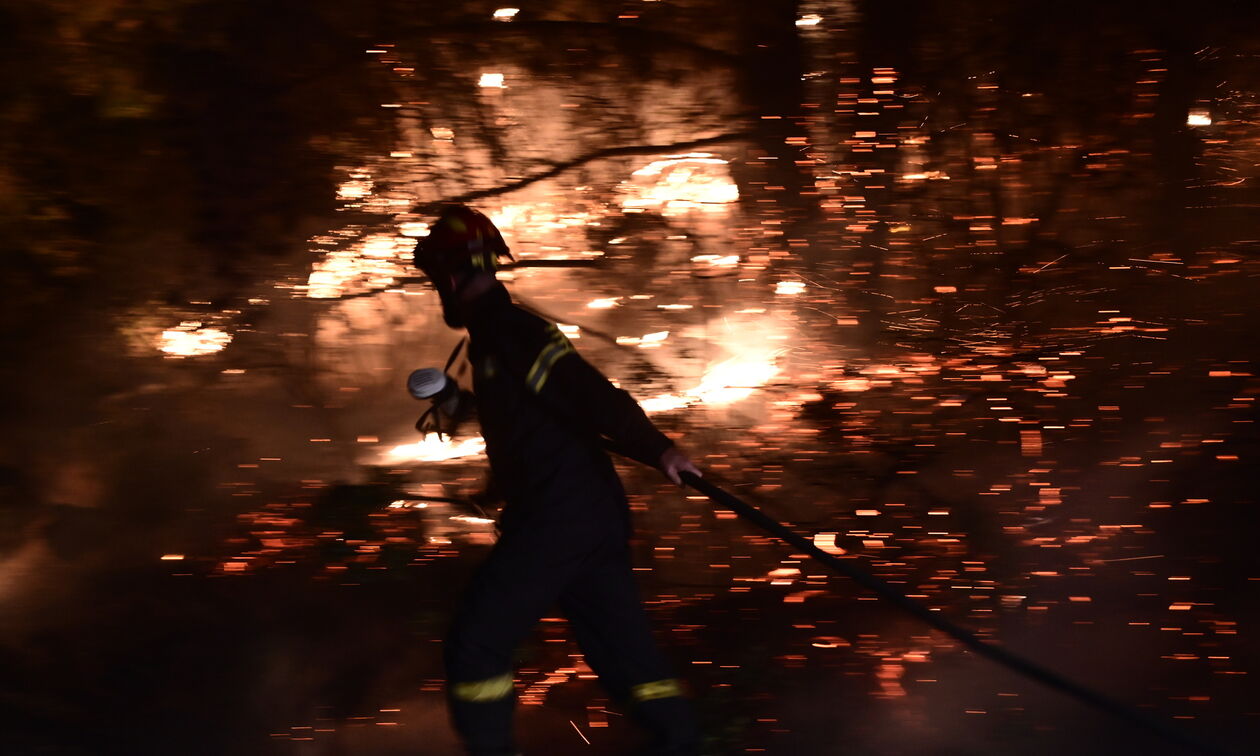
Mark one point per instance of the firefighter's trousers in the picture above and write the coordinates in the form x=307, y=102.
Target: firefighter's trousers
x=585, y=571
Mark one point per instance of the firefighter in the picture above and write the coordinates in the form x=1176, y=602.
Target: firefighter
x=546, y=415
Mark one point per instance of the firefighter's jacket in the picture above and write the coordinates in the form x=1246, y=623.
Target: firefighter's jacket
x=543, y=411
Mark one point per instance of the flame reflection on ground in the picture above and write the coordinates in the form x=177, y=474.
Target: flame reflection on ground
x=434, y=449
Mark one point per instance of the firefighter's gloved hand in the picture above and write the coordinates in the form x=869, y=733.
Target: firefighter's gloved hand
x=673, y=463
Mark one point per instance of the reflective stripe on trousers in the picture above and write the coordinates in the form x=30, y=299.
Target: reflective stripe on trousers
x=481, y=691
x=649, y=691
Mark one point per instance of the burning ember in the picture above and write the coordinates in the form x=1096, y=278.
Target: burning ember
x=190, y=339
x=491, y=81
x=357, y=187
x=789, y=288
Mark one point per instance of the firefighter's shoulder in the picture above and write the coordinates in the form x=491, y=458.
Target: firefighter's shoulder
x=525, y=327
x=539, y=342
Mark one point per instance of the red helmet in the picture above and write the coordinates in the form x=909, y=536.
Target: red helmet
x=461, y=240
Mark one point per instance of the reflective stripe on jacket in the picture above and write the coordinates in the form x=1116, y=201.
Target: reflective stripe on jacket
x=543, y=409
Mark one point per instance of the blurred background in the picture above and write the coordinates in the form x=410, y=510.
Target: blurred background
x=964, y=290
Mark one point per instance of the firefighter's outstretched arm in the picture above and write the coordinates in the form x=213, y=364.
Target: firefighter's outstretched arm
x=562, y=378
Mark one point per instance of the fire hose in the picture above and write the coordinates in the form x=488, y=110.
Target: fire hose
x=967, y=638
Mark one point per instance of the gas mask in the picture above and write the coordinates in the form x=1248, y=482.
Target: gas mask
x=450, y=406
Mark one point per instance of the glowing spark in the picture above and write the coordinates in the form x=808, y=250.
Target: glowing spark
x=892, y=371
x=506, y=14
x=809, y=19
x=800, y=596
x=491, y=81
x=711, y=265
x=717, y=260
x=603, y=304
x=413, y=229
x=471, y=519
x=782, y=572
x=435, y=449
x=829, y=641
x=1199, y=117
x=190, y=339
x=172, y=557
x=571, y=331
x=442, y=133
x=827, y=542
x=404, y=504
x=853, y=384
x=357, y=186
x=648, y=340
x=789, y=287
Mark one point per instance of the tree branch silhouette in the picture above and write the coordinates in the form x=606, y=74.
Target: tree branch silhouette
x=559, y=168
